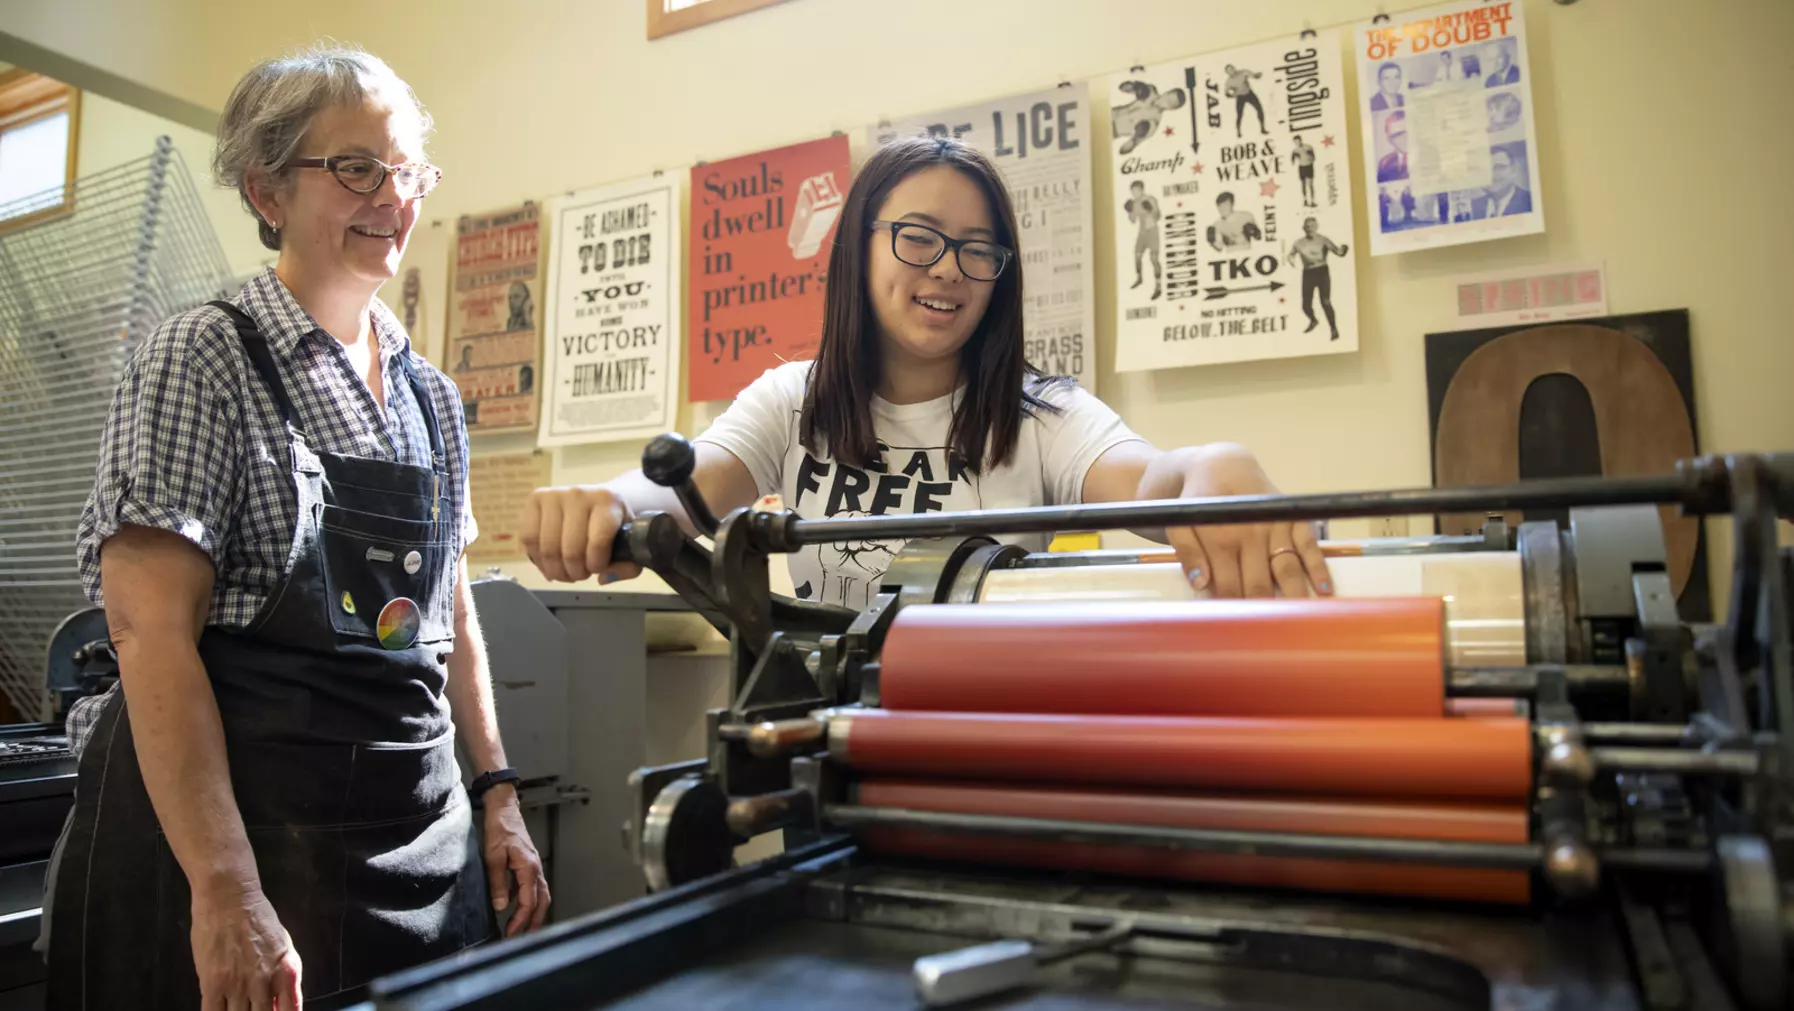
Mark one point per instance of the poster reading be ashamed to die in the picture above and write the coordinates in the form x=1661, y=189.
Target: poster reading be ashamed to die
x=1449, y=148
x=1232, y=207
x=1041, y=144
x=762, y=227
x=612, y=345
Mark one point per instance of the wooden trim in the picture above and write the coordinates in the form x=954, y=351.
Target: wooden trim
x=73, y=172
x=22, y=89
x=25, y=98
x=661, y=23
x=40, y=216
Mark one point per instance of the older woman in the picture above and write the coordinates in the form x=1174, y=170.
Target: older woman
x=277, y=525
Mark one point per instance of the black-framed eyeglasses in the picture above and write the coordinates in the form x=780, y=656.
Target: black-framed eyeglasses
x=364, y=174
x=921, y=246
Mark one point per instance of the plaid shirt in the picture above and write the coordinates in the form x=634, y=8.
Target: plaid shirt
x=195, y=445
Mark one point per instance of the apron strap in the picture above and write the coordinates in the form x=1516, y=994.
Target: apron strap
x=257, y=347
x=428, y=407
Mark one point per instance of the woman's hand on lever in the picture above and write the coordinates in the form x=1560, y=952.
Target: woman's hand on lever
x=1248, y=559
x=244, y=957
x=567, y=532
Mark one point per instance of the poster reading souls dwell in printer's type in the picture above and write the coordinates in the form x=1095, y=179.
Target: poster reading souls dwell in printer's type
x=1233, y=207
x=1040, y=142
x=1449, y=148
x=611, y=360
x=761, y=232
x=493, y=336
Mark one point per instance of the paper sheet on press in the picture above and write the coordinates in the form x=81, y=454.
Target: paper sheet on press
x=1448, y=139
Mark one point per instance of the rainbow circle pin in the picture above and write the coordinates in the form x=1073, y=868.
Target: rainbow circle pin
x=398, y=624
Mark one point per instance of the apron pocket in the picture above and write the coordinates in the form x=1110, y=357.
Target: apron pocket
x=302, y=876
x=372, y=565
x=416, y=892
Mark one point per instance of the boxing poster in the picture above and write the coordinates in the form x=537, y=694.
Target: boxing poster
x=418, y=294
x=1232, y=207
x=494, y=319
x=762, y=226
x=1040, y=143
x=611, y=348
x=1450, y=155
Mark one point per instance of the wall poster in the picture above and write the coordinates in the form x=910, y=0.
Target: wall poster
x=1232, y=207
x=494, y=322
x=1450, y=155
x=1040, y=142
x=611, y=367
x=761, y=231
x=418, y=294
x=499, y=487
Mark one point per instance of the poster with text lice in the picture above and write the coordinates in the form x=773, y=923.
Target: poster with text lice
x=762, y=227
x=1040, y=142
x=1450, y=155
x=1232, y=207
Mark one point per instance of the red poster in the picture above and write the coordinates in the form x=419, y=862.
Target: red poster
x=761, y=229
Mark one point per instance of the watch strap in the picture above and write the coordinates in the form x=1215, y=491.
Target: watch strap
x=487, y=780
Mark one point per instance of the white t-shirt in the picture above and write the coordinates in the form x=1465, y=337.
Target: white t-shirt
x=1052, y=455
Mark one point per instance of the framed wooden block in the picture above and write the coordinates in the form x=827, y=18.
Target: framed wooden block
x=668, y=16
x=1608, y=396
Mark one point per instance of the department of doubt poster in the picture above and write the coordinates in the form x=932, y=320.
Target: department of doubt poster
x=1232, y=207
x=1449, y=148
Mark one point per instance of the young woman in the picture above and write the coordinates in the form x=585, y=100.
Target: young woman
x=272, y=805
x=920, y=400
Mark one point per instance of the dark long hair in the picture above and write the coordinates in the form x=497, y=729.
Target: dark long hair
x=1000, y=386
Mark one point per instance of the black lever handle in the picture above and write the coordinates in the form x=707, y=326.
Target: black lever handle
x=668, y=461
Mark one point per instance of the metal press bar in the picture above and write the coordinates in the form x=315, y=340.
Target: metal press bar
x=1497, y=856
x=1692, y=488
x=1641, y=733
x=1701, y=763
x=1502, y=682
x=1349, y=548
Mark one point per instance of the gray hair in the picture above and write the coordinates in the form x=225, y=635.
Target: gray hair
x=273, y=105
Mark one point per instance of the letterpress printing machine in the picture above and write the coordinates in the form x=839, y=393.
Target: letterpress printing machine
x=1495, y=772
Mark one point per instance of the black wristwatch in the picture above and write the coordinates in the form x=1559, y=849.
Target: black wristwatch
x=487, y=780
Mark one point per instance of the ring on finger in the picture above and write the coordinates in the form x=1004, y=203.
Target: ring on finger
x=1282, y=551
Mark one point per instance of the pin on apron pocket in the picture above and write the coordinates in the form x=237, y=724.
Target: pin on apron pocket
x=392, y=569
x=399, y=622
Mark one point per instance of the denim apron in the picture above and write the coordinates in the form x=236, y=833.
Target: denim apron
x=341, y=751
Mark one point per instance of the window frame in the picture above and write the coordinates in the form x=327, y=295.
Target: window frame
x=25, y=98
x=662, y=23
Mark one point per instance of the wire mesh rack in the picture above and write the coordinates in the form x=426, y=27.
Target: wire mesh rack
x=78, y=293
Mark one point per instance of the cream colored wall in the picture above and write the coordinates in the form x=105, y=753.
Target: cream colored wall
x=113, y=134
x=1675, y=180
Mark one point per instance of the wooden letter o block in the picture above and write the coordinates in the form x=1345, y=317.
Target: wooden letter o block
x=1641, y=423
